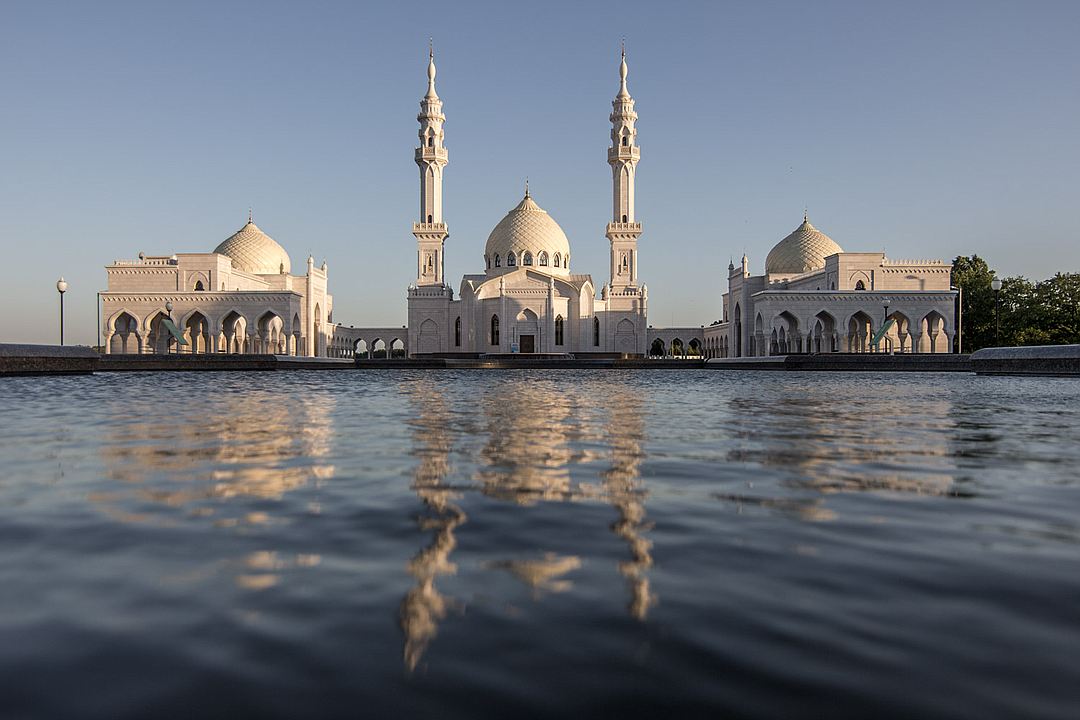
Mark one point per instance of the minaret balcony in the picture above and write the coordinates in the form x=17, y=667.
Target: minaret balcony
x=431, y=154
x=623, y=152
x=429, y=228
x=632, y=229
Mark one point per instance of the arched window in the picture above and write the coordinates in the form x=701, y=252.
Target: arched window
x=429, y=219
x=511, y=259
x=596, y=332
x=487, y=260
x=457, y=332
x=860, y=285
x=566, y=263
x=557, y=259
x=526, y=259
x=542, y=259
x=624, y=218
x=431, y=141
x=494, y=329
x=559, y=330
x=625, y=141
x=199, y=286
x=498, y=260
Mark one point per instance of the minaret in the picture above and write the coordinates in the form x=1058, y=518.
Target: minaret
x=623, y=155
x=431, y=157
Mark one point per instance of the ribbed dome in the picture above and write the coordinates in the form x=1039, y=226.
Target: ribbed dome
x=801, y=251
x=254, y=251
x=528, y=228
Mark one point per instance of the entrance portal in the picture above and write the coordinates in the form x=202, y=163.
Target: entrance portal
x=528, y=343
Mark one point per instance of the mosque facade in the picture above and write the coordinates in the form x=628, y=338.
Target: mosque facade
x=240, y=298
x=527, y=299
x=816, y=298
x=813, y=297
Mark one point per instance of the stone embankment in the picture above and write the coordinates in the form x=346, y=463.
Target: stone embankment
x=857, y=362
x=1060, y=360
x=47, y=360
x=218, y=361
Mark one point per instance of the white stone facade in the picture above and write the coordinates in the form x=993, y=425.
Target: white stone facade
x=812, y=302
x=527, y=300
x=241, y=298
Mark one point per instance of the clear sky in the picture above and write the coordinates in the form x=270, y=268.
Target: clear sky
x=928, y=129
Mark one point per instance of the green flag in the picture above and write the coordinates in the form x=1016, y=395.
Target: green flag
x=881, y=333
x=174, y=331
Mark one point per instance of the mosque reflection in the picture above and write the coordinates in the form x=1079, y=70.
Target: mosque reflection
x=819, y=447
x=532, y=437
x=237, y=446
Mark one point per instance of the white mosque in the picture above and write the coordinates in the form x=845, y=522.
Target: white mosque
x=527, y=299
x=812, y=298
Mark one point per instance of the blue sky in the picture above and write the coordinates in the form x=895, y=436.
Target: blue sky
x=929, y=129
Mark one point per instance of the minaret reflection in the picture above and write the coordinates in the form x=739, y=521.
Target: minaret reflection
x=624, y=490
x=424, y=606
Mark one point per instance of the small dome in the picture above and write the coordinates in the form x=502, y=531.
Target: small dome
x=528, y=228
x=254, y=251
x=801, y=251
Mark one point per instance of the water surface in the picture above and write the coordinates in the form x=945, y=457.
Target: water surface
x=544, y=543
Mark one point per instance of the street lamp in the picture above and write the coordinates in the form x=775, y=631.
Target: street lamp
x=61, y=287
x=959, y=314
x=884, y=321
x=995, y=285
x=168, y=309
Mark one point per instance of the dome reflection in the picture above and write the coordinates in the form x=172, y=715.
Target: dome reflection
x=532, y=437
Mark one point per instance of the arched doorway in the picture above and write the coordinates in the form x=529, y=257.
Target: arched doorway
x=197, y=333
x=527, y=331
x=125, y=337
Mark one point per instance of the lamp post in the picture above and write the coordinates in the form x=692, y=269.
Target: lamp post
x=995, y=284
x=61, y=287
x=168, y=310
x=884, y=321
x=959, y=319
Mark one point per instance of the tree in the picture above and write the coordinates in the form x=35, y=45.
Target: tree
x=1043, y=313
x=973, y=276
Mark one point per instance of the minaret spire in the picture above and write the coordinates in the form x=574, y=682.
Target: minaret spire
x=431, y=157
x=431, y=94
x=623, y=92
x=623, y=155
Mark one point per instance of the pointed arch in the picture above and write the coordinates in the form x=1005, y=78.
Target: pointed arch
x=825, y=337
x=457, y=332
x=124, y=333
x=196, y=330
x=542, y=259
x=596, y=331
x=494, y=337
x=559, y=330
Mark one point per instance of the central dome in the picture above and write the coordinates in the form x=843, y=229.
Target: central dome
x=802, y=251
x=528, y=237
x=253, y=251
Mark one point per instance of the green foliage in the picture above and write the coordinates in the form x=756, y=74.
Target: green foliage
x=1042, y=313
